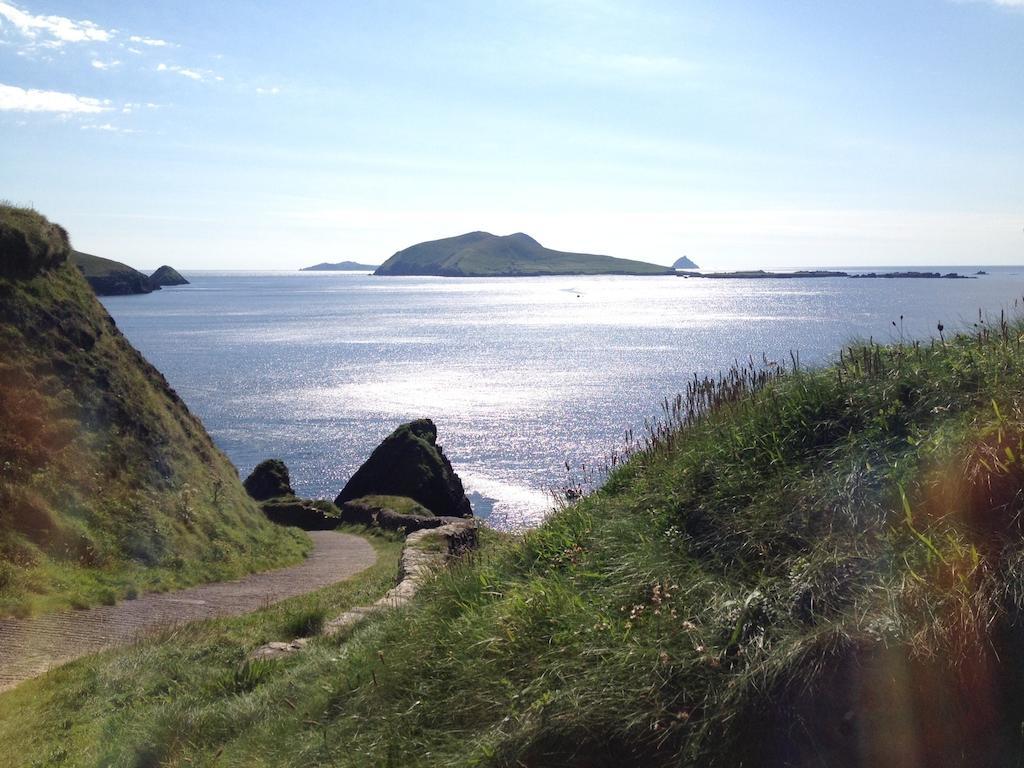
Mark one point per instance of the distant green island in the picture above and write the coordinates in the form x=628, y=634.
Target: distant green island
x=481, y=254
x=340, y=266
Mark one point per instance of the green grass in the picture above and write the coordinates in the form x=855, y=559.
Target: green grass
x=29, y=243
x=816, y=568
x=97, y=266
x=187, y=689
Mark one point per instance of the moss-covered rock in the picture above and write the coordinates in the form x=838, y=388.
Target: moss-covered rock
x=316, y=515
x=269, y=480
x=410, y=463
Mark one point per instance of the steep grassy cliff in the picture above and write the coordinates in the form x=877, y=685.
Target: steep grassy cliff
x=108, y=485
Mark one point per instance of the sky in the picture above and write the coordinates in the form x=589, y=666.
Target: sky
x=273, y=135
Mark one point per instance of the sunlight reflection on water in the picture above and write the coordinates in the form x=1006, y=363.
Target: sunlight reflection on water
x=519, y=374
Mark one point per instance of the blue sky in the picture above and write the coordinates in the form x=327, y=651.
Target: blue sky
x=278, y=134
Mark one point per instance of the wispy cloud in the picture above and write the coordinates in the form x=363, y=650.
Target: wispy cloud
x=199, y=75
x=151, y=41
x=134, y=106
x=1017, y=4
x=15, y=99
x=105, y=65
x=272, y=91
x=55, y=31
x=640, y=65
x=51, y=31
x=107, y=128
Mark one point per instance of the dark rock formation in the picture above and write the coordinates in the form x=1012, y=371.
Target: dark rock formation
x=410, y=463
x=167, y=276
x=269, y=481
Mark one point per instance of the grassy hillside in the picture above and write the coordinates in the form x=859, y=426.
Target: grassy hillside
x=111, y=278
x=481, y=254
x=817, y=568
x=108, y=485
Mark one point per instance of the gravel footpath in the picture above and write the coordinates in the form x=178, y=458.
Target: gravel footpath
x=29, y=647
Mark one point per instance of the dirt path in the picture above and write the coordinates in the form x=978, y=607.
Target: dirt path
x=29, y=647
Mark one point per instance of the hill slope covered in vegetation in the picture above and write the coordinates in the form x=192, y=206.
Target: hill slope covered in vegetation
x=481, y=254
x=108, y=484
x=111, y=278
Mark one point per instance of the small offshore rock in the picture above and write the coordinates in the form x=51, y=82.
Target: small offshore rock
x=269, y=480
x=410, y=463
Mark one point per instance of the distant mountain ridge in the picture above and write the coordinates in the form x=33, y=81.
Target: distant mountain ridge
x=340, y=266
x=684, y=263
x=481, y=254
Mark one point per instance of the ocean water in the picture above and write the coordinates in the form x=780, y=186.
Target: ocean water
x=519, y=374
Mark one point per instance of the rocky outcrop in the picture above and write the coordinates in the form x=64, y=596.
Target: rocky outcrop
x=269, y=480
x=684, y=262
x=410, y=463
x=167, y=276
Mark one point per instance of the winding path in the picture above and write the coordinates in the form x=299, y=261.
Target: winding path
x=29, y=647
